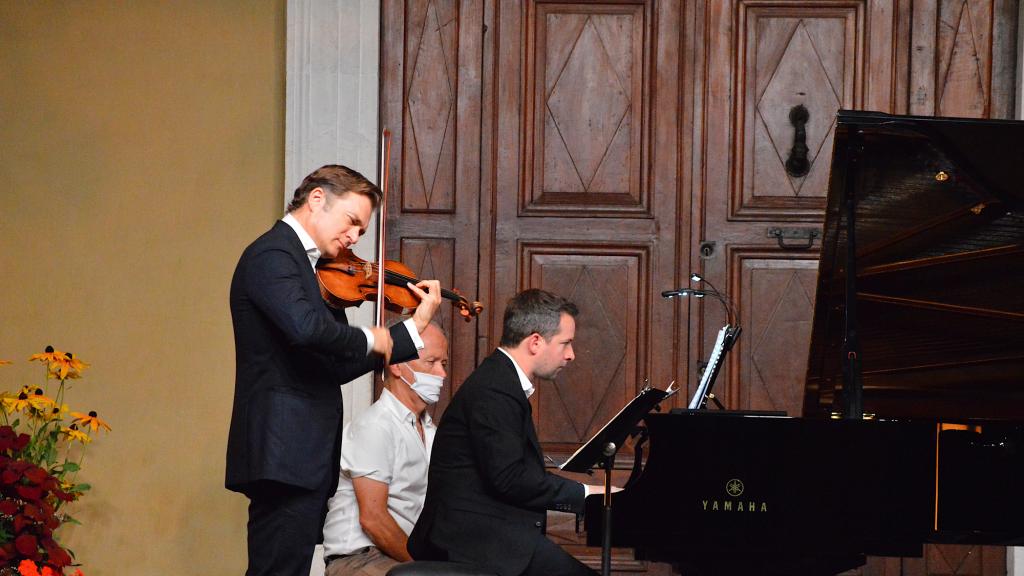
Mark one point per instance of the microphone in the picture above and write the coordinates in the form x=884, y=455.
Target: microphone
x=683, y=292
x=711, y=291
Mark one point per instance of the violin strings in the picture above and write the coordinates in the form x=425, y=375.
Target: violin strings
x=399, y=276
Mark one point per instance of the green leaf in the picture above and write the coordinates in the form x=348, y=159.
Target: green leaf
x=71, y=520
x=69, y=467
x=81, y=487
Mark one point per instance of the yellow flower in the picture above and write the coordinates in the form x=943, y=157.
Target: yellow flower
x=19, y=402
x=60, y=365
x=49, y=356
x=40, y=401
x=73, y=433
x=90, y=420
x=54, y=412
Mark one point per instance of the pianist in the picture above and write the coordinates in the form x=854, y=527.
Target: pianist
x=488, y=490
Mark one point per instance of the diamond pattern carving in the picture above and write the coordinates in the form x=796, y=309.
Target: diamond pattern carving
x=602, y=341
x=432, y=259
x=587, y=103
x=962, y=87
x=430, y=102
x=800, y=78
x=954, y=559
x=780, y=323
x=589, y=384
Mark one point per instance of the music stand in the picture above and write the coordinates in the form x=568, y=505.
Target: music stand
x=726, y=338
x=601, y=450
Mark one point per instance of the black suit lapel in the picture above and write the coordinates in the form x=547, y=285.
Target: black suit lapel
x=290, y=239
x=531, y=431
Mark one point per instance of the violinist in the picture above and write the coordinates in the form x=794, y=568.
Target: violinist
x=292, y=351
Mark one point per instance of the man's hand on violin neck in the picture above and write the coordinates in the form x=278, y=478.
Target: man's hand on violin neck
x=429, y=293
x=382, y=342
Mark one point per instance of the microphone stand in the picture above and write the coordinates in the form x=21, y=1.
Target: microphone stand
x=606, y=541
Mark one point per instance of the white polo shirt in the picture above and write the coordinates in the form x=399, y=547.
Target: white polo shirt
x=382, y=444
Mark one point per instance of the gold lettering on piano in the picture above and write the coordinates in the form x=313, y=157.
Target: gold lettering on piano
x=733, y=489
x=733, y=506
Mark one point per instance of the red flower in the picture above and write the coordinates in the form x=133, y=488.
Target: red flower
x=9, y=439
x=21, y=441
x=36, y=475
x=27, y=545
x=20, y=521
x=32, y=493
x=55, y=554
x=33, y=512
x=6, y=438
x=8, y=507
x=64, y=496
x=28, y=568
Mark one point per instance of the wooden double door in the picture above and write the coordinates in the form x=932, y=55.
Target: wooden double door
x=605, y=150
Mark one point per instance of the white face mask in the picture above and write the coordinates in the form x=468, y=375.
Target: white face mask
x=426, y=386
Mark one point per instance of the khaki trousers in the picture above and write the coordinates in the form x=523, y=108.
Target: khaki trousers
x=372, y=562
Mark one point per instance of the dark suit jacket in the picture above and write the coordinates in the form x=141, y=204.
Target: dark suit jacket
x=487, y=490
x=292, y=353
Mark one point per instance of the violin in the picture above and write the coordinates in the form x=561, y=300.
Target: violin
x=348, y=280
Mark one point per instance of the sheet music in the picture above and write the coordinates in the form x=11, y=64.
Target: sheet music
x=709, y=370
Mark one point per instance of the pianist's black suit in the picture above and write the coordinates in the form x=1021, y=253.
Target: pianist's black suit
x=488, y=491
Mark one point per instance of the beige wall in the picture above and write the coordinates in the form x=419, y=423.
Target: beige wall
x=141, y=148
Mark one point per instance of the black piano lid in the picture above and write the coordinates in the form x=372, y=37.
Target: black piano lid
x=940, y=267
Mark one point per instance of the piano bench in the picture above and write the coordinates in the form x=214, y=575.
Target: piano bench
x=432, y=568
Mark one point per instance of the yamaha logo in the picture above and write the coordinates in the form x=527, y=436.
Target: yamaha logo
x=734, y=487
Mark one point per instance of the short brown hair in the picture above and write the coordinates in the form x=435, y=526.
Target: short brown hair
x=534, y=310
x=337, y=180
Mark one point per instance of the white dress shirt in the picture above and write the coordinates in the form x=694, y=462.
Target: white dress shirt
x=523, y=380
x=382, y=444
x=313, y=253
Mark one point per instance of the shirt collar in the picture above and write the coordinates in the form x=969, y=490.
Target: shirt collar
x=395, y=406
x=523, y=380
x=308, y=244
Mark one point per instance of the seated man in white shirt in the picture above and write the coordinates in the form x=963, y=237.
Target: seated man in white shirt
x=385, y=454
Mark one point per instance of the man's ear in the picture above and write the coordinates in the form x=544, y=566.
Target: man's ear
x=394, y=370
x=533, y=343
x=315, y=200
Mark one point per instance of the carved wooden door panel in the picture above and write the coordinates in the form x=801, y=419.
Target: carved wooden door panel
x=771, y=66
x=430, y=100
x=584, y=199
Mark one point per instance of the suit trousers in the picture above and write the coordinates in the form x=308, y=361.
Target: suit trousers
x=549, y=559
x=285, y=525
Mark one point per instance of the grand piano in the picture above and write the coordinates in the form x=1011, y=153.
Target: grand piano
x=913, y=421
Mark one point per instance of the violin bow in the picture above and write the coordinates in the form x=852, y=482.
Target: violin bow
x=385, y=158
